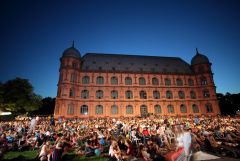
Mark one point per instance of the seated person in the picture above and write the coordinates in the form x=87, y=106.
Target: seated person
x=22, y=144
x=114, y=151
x=57, y=152
x=43, y=155
x=89, y=148
x=142, y=153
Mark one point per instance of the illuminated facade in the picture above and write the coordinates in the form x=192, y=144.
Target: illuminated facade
x=102, y=85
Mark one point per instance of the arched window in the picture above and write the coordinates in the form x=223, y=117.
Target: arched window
x=84, y=110
x=169, y=95
x=73, y=78
x=114, y=109
x=195, y=108
x=181, y=94
x=209, y=108
x=192, y=95
x=129, y=94
x=203, y=81
x=142, y=81
x=155, y=81
x=71, y=92
x=70, y=109
x=156, y=95
x=100, y=80
x=128, y=81
x=114, y=94
x=179, y=82
x=190, y=82
x=170, y=109
x=114, y=80
x=85, y=80
x=167, y=82
x=183, y=108
x=56, y=109
x=129, y=109
x=143, y=95
x=206, y=93
x=84, y=94
x=99, y=94
x=157, y=109
x=99, y=109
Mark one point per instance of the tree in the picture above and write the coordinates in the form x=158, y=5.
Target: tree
x=17, y=96
x=1, y=94
x=47, y=106
x=229, y=103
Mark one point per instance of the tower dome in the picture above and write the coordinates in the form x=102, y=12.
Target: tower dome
x=199, y=59
x=71, y=52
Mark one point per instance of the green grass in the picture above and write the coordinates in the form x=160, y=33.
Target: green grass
x=95, y=158
x=25, y=155
x=31, y=156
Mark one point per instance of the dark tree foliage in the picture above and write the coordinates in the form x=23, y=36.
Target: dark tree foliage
x=1, y=94
x=229, y=103
x=47, y=107
x=18, y=97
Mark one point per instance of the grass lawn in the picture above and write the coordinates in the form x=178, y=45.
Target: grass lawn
x=31, y=156
x=25, y=155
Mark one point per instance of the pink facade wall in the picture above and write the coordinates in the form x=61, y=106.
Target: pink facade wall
x=64, y=85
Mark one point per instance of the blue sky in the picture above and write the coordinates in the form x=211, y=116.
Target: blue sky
x=34, y=35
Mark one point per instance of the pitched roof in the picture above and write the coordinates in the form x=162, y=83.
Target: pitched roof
x=134, y=63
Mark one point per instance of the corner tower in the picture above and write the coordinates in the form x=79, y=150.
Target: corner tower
x=69, y=72
x=201, y=67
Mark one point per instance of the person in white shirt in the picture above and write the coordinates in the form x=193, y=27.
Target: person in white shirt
x=187, y=141
x=183, y=140
x=37, y=118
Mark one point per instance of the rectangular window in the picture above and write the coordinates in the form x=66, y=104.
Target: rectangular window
x=70, y=110
x=129, y=110
x=57, y=110
x=114, y=110
x=73, y=78
x=99, y=110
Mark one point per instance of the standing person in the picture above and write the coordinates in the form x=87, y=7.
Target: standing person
x=37, y=119
x=179, y=137
x=187, y=141
x=32, y=125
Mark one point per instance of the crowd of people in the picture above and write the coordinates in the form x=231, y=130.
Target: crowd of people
x=152, y=138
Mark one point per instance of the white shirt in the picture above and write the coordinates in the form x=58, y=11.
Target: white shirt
x=180, y=140
x=187, y=140
x=37, y=118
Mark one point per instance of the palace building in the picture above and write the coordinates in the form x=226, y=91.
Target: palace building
x=115, y=85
